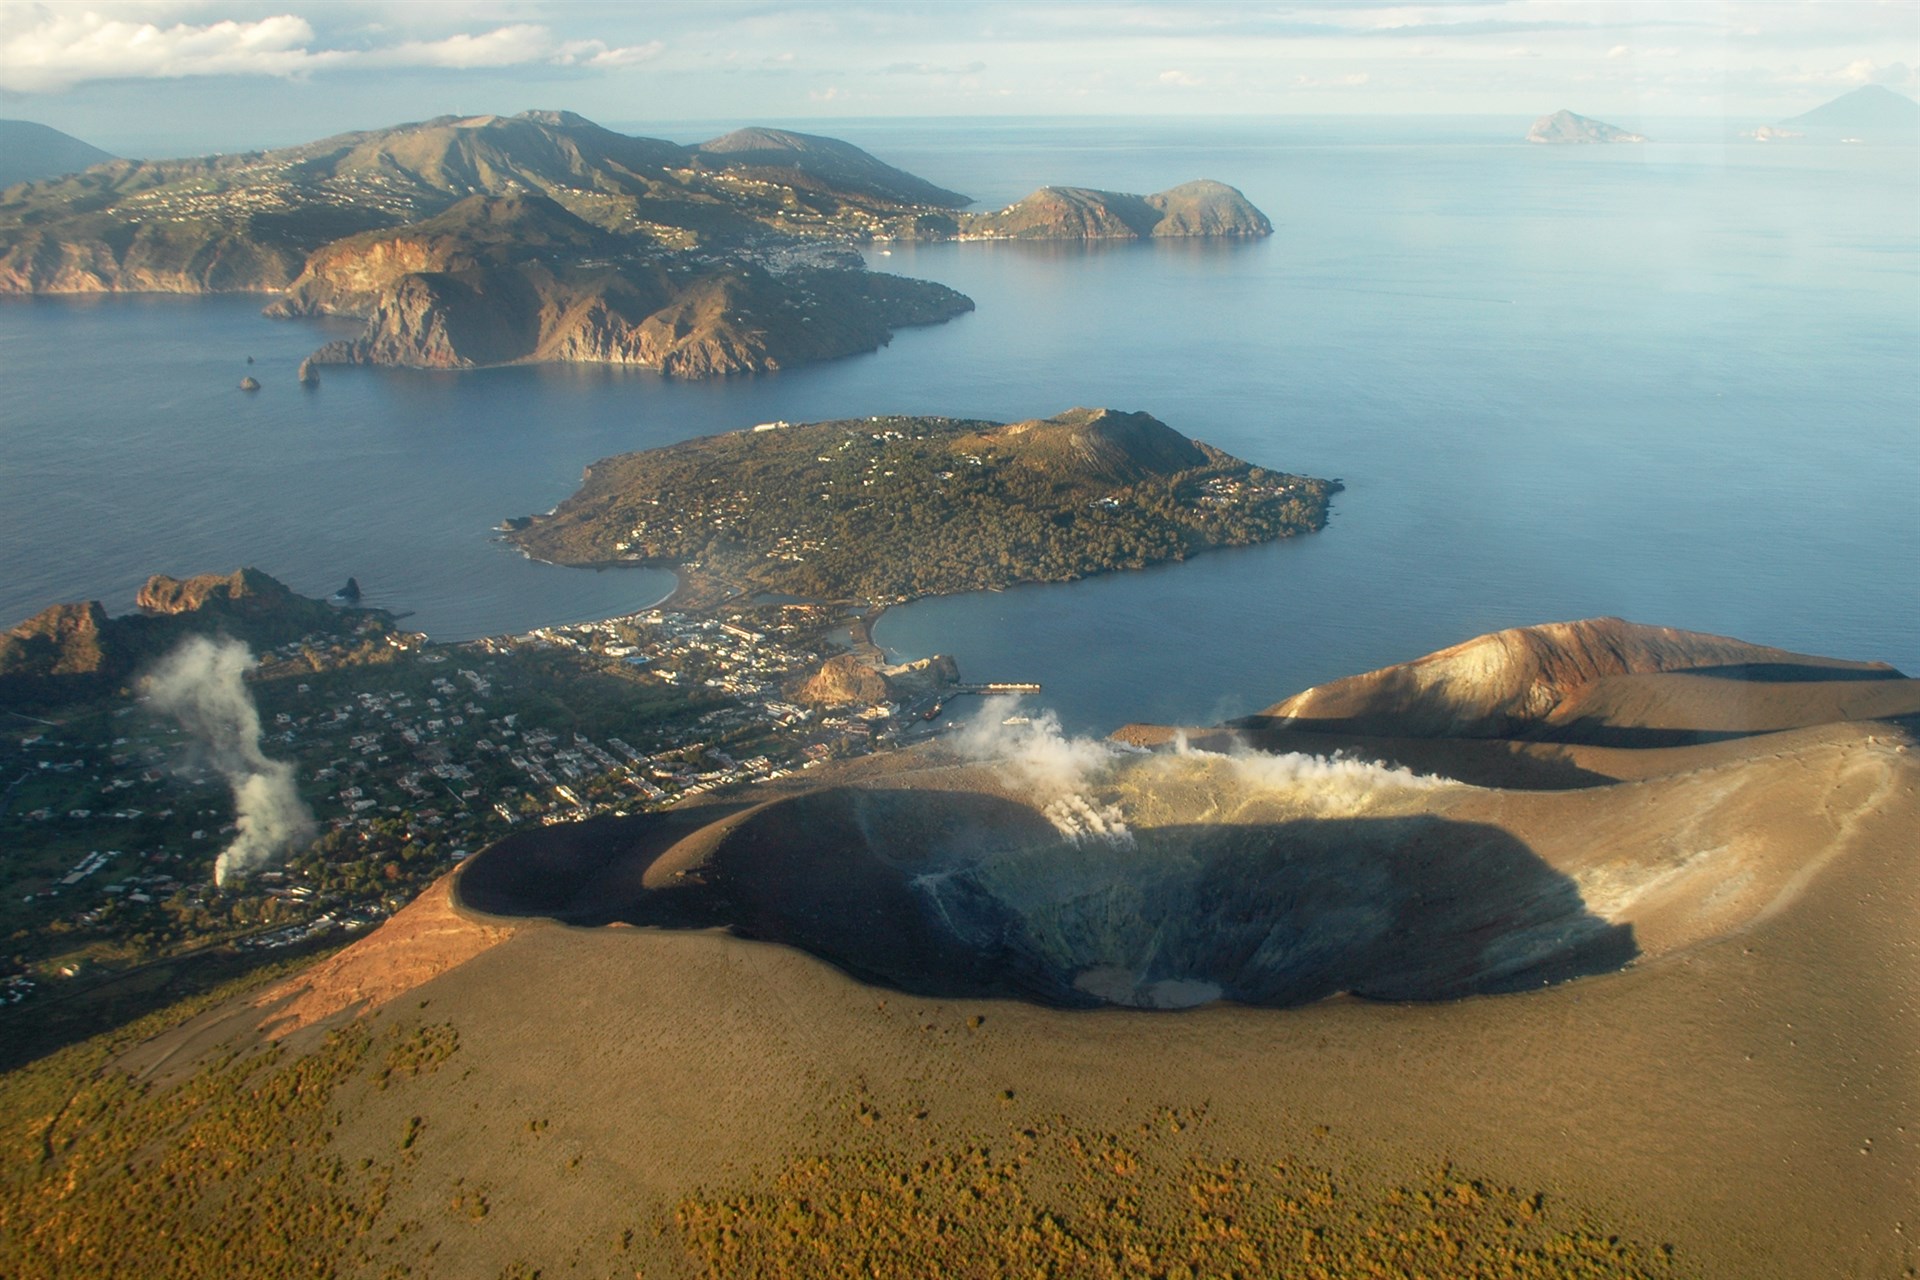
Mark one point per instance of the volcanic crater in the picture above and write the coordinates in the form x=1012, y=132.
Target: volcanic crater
x=1302, y=860
x=951, y=885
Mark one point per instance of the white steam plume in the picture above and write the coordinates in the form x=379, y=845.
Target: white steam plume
x=201, y=685
x=1330, y=784
x=1038, y=758
x=1033, y=752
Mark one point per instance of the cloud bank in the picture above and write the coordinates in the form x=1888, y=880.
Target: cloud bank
x=44, y=48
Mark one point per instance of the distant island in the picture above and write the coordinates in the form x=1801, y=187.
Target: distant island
x=1872, y=113
x=488, y=240
x=1564, y=127
x=885, y=509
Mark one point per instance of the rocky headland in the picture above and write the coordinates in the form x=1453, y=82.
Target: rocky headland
x=485, y=240
x=72, y=650
x=1204, y=208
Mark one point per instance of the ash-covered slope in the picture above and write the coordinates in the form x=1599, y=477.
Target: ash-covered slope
x=1521, y=682
x=479, y=1094
x=1076, y=876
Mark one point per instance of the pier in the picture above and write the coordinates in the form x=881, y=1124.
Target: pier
x=929, y=708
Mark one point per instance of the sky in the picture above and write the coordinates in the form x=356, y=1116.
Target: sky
x=154, y=77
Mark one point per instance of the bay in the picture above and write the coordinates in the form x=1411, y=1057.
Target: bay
x=1678, y=383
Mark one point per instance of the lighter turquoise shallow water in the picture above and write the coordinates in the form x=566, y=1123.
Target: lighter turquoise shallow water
x=1679, y=383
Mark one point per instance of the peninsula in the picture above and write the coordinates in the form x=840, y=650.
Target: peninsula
x=487, y=240
x=885, y=509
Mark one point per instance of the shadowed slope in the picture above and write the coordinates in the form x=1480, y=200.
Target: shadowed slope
x=957, y=893
x=793, y=158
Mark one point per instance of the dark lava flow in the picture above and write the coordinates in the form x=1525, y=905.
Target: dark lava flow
x=958, y=893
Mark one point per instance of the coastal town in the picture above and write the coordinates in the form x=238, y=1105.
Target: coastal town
x=410, y=755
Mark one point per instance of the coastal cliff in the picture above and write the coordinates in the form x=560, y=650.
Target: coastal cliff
x=486, y=240
x=742, y=321
x=69, y=650
x=1202, y=208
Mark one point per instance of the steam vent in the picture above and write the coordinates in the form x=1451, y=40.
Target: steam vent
x=1490, y=819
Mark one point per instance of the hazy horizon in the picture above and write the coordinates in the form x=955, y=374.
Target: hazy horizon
x=157, y=77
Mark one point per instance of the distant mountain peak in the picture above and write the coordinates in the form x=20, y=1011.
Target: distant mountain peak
x=30, y=151
x=558, y=119
x=1871, y=113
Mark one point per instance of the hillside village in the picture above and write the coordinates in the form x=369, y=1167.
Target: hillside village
x=411, y=755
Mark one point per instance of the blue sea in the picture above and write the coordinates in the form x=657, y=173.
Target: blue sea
x=1677, y=382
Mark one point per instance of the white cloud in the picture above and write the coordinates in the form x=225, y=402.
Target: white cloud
x=502, y=47
x=1352, y=80
x=1184, y=79
x=42, y=48
x=1867, y=71
x=45, y=49
x=521, y=44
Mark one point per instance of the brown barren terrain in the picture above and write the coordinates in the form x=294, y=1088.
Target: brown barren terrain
x=1730, y=1087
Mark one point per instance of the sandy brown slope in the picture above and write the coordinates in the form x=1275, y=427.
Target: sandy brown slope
x=1504, y=684
x=1746, y=1091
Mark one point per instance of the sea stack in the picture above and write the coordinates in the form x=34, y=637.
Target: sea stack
x=1563, y=127
x=249, y=383
x=308, y=378
x=349, y=594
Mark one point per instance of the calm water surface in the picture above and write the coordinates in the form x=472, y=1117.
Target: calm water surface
x=1679, y=383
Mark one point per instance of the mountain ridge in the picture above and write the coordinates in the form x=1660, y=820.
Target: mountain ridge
x=468, y=241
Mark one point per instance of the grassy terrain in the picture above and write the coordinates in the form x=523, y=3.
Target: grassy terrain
x=1057, y=1199
x=276, y=1162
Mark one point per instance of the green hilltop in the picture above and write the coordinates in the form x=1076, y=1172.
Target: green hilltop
x=896, y=507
